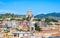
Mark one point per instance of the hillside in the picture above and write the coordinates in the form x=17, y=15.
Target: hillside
x=2, y=16
x=52, y=15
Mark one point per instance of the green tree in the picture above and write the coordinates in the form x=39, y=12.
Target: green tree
x=38, y=19
x=24, y=18
x=20, y=30
x=37, y=28
x=50, y=20
x=12, y=18
x=28, y=18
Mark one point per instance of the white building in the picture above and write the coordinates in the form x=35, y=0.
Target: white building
x=21, y=34
x=12, y=24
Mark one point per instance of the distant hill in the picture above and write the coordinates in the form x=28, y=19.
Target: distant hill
x=52, y=15
x=2, y=16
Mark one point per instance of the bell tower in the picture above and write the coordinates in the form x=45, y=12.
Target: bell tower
x=29, y=13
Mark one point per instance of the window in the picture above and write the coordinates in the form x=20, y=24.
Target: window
x=32, y=28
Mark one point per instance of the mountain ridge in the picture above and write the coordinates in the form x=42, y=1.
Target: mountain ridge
x=52, y=15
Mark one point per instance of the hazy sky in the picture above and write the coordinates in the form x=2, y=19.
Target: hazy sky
x=37, y=6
